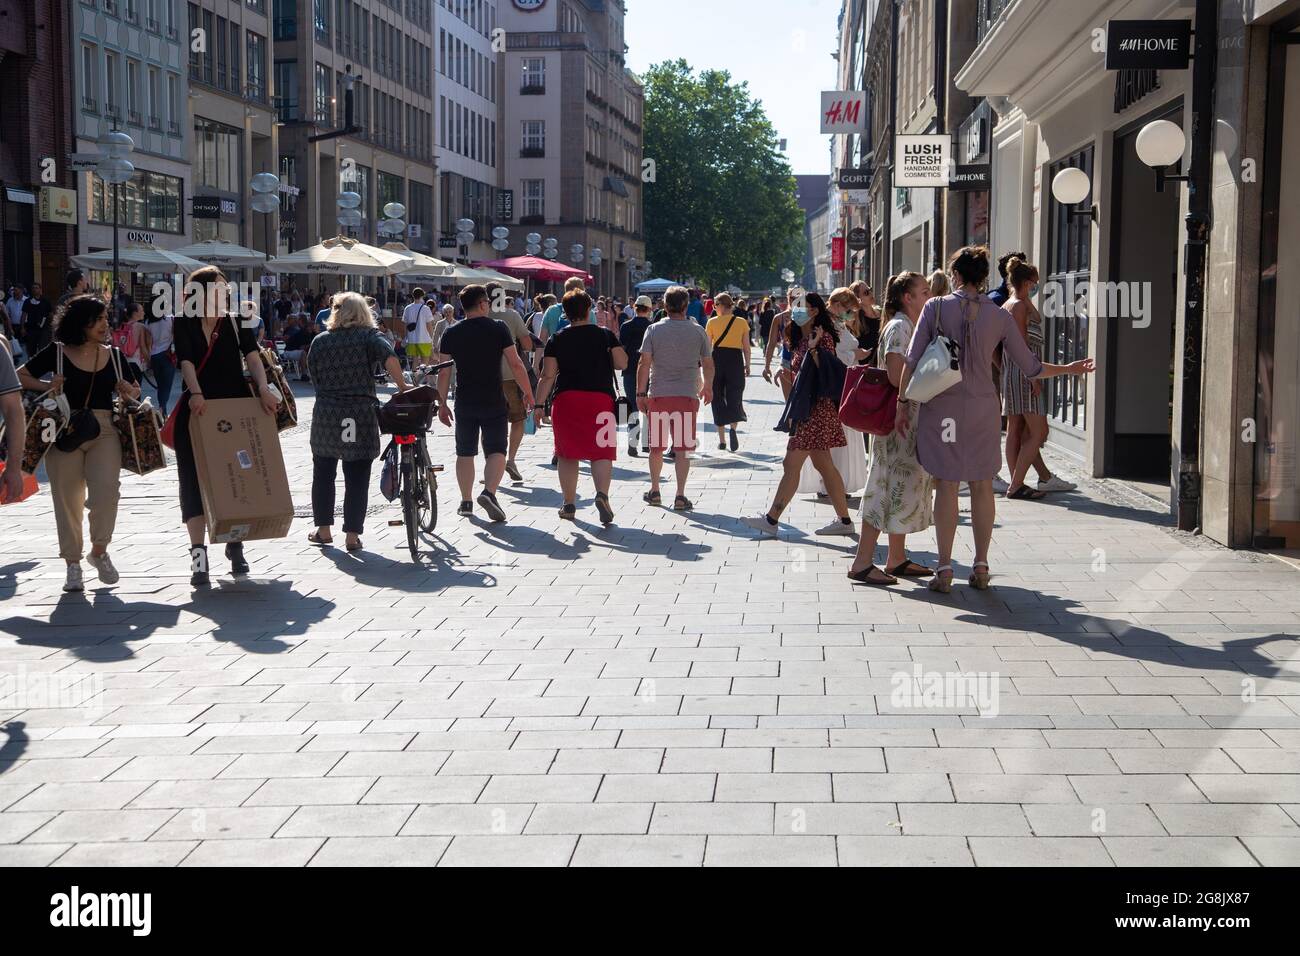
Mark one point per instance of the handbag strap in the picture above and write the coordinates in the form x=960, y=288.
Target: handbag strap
x=723, y=336
x=58, y=370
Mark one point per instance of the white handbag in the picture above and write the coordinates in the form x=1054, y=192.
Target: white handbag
x=939, y=368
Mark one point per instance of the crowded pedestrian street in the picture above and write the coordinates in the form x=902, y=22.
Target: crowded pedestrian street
x=667, y=690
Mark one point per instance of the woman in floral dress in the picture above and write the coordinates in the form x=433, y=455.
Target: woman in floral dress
x=898, y=497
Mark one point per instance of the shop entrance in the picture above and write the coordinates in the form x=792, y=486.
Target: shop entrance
x=1140, y=301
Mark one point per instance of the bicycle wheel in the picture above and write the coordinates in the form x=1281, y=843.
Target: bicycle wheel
x=410, y=504
x=427, y=501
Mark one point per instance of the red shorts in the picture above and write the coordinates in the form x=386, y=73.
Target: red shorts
x=585, y=426
x=672, y=419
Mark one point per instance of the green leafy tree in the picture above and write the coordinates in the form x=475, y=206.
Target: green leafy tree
x=722, y=206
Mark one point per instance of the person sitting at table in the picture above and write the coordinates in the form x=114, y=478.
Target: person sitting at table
x=296, y=340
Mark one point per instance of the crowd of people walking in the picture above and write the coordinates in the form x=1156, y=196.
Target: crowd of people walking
x=588, y=367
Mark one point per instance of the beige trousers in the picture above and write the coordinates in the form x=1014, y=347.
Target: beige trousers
x=89, y=478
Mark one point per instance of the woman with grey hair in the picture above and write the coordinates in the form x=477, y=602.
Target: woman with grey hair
x=344, y=426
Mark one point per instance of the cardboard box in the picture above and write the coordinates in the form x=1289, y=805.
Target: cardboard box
x=241, y=470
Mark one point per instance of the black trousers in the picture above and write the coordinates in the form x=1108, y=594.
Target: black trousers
x=356, y=492
x=728, y=387
x=633, y=417
x=187, y=473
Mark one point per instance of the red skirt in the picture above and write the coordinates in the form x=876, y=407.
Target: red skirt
x=585, y=426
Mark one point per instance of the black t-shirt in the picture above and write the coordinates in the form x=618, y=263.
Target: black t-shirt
x=223, y=375
x=630, y=335
x=36, y=315
x=77, y=381
x=582, y=353
x=475, y=345
x=868, y=331
x=765, y=321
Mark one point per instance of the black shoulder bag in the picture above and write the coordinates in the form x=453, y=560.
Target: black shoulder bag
x=82, y=426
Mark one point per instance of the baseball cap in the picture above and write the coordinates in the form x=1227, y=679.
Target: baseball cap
x=643, y=302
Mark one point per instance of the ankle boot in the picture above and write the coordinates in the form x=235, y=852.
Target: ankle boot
x=235, y=552
x=199, y=566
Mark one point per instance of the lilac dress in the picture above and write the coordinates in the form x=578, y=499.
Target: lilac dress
x=969, y=414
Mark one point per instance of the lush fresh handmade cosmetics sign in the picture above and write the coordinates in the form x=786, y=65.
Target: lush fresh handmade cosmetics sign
x=921, y=161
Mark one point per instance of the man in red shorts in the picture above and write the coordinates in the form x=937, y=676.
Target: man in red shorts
x=674, y=353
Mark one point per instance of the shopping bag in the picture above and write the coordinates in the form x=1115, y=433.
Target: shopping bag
x=139, y=428
x=46, y=418
x=30, y=487
x=869, y=402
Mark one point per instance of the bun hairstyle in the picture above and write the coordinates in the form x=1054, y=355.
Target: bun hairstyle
x=971, y=264
x=897, y=287
x=1019, y=272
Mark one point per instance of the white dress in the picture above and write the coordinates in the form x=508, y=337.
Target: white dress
x=851, y=460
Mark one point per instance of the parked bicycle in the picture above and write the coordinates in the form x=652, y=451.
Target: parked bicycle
x=408, y=417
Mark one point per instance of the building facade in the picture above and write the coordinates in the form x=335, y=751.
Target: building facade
x=571, y=137
x=234, y=123
x=129, y=73
x=38, y=200
x=380, y=55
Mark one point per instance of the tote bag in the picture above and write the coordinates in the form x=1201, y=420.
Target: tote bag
x=940, y=365
x=869, y=401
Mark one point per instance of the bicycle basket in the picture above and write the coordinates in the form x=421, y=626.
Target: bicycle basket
x=410, y=412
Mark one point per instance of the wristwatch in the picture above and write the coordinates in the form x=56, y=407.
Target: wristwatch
x=642, y=394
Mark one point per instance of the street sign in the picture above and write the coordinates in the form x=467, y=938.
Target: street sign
x=857, y=239
x=1148, y=44
x=447, y=242
x=855, y=197
x=921, y=161
x=505, y=205
x=844, y=111
x=971, y=178
x=80, y=162
x=837, y=253
x=855, y=179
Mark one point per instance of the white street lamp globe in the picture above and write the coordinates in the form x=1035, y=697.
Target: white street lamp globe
x=464, y=238
x=551, y=243
x=349, y=217
x=1070, y=186
x=500, y=245
x=532, y=248
x=551, y=253
x=1161, y=143
x=115, y=170
x=394, y=210
x=265, y=202
x=577, y=248
x=647, y=266
x=349, y=200
x=1225, y=137
x=500, y=232
x=396, y=227
x=534, y=238
x=464, y=225
x=265, y=183
x=115, y=143
x=576, y=258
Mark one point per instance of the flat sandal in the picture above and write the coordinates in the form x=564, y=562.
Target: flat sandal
x=979, y=580
x=939, y=583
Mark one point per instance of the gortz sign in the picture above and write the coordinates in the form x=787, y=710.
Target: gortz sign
x=1148, y=44
x=844, y=112
x=921, y=161
x=530, y=5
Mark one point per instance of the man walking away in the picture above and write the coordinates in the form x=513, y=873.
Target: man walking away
x=418, y=319
x=38, y=321
x=696, y=307
x=630, y=335
x=668, y=393
x=478, y=344
x=523, y=341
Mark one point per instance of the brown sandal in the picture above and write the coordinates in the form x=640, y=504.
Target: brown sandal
x=910, y=569
x=864, y=576
x=320, y=542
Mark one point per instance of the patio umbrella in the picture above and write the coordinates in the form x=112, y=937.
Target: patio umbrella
x=139, y=258
x=420, y=264
x=217, y=252
x=501, y=279
x=655, y=285
x=531, y=267
x=342, y=257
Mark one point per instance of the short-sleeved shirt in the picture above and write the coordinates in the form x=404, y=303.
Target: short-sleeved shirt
x=8, y=376
x=677, y=346
x=737, y=337
x=554, y=320
x=696, y=311
x=419, y=315
x=518, y=331
x=77, y=382
x=223, y=375
x=475, y=345
x=631, y=335
x=582, y=354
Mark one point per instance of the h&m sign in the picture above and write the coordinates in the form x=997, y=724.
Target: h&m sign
x=1148, y=44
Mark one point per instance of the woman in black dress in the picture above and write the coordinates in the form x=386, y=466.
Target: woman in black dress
x=220, y=343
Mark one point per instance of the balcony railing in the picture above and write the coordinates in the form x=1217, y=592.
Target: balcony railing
x=110, y=7
x=152, y=25
x=134, y=118
x=155, y=123
x=90, y=103
x=174, y=127
x=532, y=89
x=532, y=152
x=987, y=14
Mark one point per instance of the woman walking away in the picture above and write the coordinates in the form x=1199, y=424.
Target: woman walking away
x=938, y=284
x=579, y=368
x=958, y=430
x=85, y=463
x=729, y=334
x=1023, y=401
x=850, y=460
x=212, y=349
x=137, y=344
x=162, y=361
x=897, y=499
x=344, y=426
x=813, y=412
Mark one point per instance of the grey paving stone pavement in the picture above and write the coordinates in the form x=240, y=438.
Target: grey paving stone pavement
x=666, y=691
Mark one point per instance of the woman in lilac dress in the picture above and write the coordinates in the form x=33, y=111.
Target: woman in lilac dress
x=958, y=432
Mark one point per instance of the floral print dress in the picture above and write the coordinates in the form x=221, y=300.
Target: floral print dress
x=899, y=495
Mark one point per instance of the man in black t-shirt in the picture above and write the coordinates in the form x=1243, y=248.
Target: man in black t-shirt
x=477, y=344
x=630, y=335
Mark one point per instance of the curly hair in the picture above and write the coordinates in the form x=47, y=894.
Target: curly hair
x=75, y=317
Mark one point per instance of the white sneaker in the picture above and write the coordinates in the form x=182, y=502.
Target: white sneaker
x=1000, y=487
x=838, y=528
x=763, y=526
x=1057, y=483
x=74, y=581
x=103, y=566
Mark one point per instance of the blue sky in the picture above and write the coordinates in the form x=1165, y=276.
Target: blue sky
x=781, y=48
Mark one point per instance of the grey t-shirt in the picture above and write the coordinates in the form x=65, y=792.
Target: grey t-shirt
x=677, y=347
x=8, y=377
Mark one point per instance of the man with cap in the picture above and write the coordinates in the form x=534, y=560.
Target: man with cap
x=630, y=335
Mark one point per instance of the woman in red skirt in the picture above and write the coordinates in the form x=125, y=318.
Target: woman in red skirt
x=578, y=368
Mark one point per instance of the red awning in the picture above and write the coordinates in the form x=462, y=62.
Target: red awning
x=531, y=267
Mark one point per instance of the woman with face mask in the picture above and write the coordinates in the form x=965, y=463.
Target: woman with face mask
x=850, y=460
x=1023, y=400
